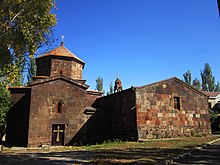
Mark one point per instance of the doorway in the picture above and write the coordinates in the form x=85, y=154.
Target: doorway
x=58, y=134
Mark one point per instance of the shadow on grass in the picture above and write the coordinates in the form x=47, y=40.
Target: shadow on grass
x=207, y=155
x=71, y=157
x=136, y=155
x=110, y=156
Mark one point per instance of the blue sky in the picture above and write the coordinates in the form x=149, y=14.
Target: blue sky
x=143, y=41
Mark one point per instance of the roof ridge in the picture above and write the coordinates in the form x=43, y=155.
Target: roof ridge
x=176, y=79
x=61, y=51
x=33, y=83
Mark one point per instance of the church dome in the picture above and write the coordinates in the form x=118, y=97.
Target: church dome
x=61, y=51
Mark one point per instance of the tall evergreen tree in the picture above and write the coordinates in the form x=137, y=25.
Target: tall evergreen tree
x=99, y=84
x=196, y=84
x=31, y=70
x=208, y=80
x=217, y=87
x=188, y=77
x=111, y=88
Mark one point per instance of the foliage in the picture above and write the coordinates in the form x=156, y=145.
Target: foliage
x=31, y=70
x=24, y=27
x=5, y=104
x=188, y=77
x=111, y=90
x=208, y=84
x=208, y=80
x=213, y=115
x=196, y=84
x=99, y=84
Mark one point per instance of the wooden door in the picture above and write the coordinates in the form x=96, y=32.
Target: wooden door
x=58, y=134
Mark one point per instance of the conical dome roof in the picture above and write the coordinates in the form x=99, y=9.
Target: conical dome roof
x=61, y=51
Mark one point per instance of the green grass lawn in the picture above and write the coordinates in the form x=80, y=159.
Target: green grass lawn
x=150, y=152
x=118, y=152
x=186, y=142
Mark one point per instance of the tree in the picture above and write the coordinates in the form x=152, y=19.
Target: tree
x=188, y=77
x=111, y=90
x=99, y=84
x=196, y=84
x=24, y=27
x=208, y=80
x=5, y=104
x=208, y=84
x=31, y=70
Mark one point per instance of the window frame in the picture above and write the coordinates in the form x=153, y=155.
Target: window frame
x=176, y=103
x=59, y=107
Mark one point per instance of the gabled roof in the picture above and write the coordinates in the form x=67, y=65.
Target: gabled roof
x=211, y=94
x=61, y=77
x=174, y=79
x=61, y=51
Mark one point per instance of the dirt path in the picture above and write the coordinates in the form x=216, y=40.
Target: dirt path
x=206, y=155
x=71, y=157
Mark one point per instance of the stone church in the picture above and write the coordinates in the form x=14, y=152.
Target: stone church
x=52, y=109
x=164, y=109
x=58, y=109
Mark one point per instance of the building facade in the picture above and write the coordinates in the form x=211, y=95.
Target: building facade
x=58, y=109
x=165, y=109
x=171, y=108
x=51, y=110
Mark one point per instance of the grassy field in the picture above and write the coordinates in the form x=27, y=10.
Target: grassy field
x=150, y=152
x=117, y=152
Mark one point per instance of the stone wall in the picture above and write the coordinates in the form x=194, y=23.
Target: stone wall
x=92, y=96
x=67, y=67
x=43, y=113
x=157, y=117
x=43, y=66
x=121, y=108
x=18, y=117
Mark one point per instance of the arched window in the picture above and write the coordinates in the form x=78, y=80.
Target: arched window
x=59, y=106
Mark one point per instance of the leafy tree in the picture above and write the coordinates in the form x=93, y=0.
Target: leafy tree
x=24, y=27
x=208, y=80
x=196, y=84
x=111, y=90
x=217, y=87
x=31, y=70
x=99, y=84
x=5, y=104
x=188, y=77
x=213, y=115
x=208, y=84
